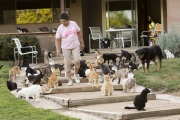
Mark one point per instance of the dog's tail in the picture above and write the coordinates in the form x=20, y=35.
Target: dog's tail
x=129, y=107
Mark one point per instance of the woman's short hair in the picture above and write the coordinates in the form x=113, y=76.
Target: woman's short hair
x=64, y=16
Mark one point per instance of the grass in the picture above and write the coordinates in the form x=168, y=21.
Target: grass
x=12, y=108
x=167, y=79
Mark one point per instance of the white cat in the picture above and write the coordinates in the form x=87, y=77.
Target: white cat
x=32, y=91
x=168, y=54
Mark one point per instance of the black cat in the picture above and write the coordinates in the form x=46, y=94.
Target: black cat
x=105, y=69
x=27, y=49
x=43, y=29
x=22, y=30
x=105, y=43
x=11, y=85
x=140, y=100
x=126, y=54
x=110, y=56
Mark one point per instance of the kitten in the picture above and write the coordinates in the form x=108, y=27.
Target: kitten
x=22, y=30
x=140, y=100
x=107, y=87
x=35, y=78
x=33, y=91
x=53, y=80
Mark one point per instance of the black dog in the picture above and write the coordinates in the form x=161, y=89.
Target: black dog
x=110, y=56
x=140, y=100
x=148, y=54
x=11, y=85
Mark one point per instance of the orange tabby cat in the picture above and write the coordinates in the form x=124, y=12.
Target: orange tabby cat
x=93, y=76
x=13, y=72
x=53, y=80
x=107, y=87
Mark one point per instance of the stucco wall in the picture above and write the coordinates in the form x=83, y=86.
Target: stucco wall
x=173, y=16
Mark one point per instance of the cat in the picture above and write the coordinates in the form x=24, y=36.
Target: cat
x=35, y=78
x=93, y=75
x=30, y=70
x=22, y=30
x=13, y=72
x=107, y=87
x=43, y=29
x=27, y=49
x=48, y=58
x=126, y=54
x=129, y=82
x=11, y=85
x=53, y=31
x=33, y=91
x=140, y=100
x=110, y=56
x=168, y=54
x=53, y=80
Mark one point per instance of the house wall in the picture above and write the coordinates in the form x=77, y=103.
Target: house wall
x=173, y=16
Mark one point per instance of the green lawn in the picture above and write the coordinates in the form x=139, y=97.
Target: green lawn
x=18, y=109
x=167, y=79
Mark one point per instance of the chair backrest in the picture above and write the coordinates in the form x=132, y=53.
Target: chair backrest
x=154, y=30
x=96, y=33
x=18, y=44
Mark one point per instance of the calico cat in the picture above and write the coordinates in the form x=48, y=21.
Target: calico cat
x=140, y=100
x=22, y=30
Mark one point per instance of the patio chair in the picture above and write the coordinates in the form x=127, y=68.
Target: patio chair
x=149, y=34
x=95, y=34
x=18, y=50
x=124, y=36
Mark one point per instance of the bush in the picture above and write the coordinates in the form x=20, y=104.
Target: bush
x=7, y=45
x=170, y=41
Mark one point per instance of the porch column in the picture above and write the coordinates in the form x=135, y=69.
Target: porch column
x=62, y=6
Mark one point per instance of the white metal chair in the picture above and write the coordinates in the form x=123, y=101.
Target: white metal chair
x=124, y=36
x=95, y=35
x=149, y=34
x=17, y=50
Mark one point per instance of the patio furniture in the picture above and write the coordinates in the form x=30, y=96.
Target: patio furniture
x=123, y=35
x=149, y=34
x=18, y=50
x=95, y=34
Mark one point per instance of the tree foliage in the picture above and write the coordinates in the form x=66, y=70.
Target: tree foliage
x=34, y=16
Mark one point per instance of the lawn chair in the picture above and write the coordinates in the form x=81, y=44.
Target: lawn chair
x=17, y=50
x=149, y=34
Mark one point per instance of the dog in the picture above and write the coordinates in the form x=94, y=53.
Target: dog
x=168, y=54
x=13, y=72
x=53, y=80
x=140, y=100
x=107, y=87
x=148, y=54
x=33, y=91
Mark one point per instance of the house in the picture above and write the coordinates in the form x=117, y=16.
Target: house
x=101, y=13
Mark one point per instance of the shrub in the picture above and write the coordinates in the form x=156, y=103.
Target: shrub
x=7, y=45
x=170, y=41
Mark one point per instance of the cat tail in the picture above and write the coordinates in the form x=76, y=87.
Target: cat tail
x=129, y=107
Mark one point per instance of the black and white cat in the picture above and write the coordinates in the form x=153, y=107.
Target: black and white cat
x=22, y=30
